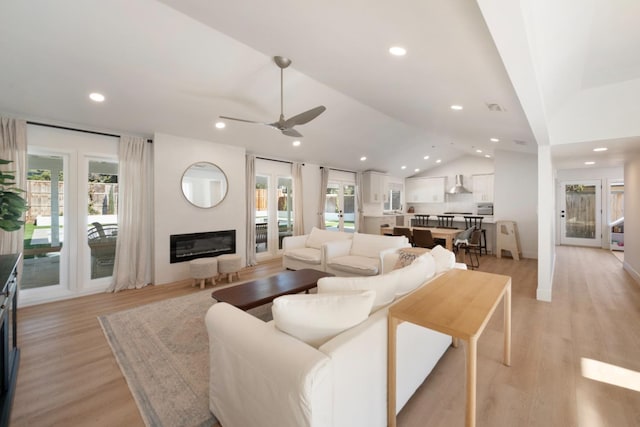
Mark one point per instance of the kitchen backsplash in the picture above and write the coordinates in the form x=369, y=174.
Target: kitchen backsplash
x=453, y=203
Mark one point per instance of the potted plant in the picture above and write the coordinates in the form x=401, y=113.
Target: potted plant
x=12, y=204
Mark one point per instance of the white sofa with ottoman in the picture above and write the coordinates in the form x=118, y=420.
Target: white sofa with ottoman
x=362, y=255
x=306, y=251
x=316, y=374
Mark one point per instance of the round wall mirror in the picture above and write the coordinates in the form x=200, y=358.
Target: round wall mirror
x=204, y=184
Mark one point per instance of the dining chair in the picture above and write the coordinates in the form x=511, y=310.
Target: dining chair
x=473, y=248
x=403, y=231
x=476, y=222
x=423, y=238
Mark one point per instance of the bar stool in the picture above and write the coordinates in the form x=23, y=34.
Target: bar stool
x=476, y=222
x=420, y=220
x=445, y=221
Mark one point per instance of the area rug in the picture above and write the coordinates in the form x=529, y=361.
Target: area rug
x=163, y=351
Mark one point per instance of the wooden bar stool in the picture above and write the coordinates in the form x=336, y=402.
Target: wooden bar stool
x=445, y=221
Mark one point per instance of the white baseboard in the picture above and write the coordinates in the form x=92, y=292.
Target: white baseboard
x=631, y=271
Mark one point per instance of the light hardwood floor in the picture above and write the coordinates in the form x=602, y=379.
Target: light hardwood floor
x=68, y=375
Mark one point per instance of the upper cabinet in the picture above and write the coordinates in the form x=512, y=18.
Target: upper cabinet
x=374, y=187
x=483, y=188
x=425, y=190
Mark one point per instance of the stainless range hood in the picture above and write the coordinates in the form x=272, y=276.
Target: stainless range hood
x=458, y=188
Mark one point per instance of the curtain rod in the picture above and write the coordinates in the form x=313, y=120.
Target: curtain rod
x=93, y=132
x=276, y=160
x=338, y=170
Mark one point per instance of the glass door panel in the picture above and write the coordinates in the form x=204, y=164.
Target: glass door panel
x=332, y=207
x=580, y=214
x=102, y=227
x=285, y=209
x=44, y=225
x=348, y=222
x=262, y=213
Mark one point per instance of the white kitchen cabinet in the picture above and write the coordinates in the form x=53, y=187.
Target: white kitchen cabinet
x=425, y=190
x=374, y=187
x=483, y=188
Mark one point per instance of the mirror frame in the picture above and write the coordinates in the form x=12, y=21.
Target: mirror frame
x=226, y=180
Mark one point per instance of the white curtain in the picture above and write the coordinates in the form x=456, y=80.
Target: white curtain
x=324, y=182
x=359, y=202
x=251, y=208
x=298, y=206
x=13, y=146
x=132, y=267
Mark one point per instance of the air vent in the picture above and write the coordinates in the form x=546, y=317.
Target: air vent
x=494, y=107
x=519, y=142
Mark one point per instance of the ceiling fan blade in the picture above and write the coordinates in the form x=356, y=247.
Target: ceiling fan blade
x=305, y=117
x=292, y=132
x=241, y=120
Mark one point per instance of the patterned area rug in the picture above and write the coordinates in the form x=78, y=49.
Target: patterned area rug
x=163, y=351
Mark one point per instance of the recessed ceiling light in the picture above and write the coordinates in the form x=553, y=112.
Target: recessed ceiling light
x=478, y=151
x=438, y=161
x=96, y=97
x=589, y=163
x=296, y=143
x=487, y=156
x=456, y=107
x=494, y=140
x=397, y=51
x=416, y=170
x=363, y=158
x=403, y=167
x=426, y=157
x=600, y=149
x=220, y=125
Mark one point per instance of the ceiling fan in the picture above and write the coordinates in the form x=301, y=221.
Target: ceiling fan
x=286, y=125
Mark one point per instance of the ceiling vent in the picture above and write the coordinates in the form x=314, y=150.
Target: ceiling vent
x=494, y=107
x=519, y=142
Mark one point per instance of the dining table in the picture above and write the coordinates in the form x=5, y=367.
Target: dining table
x=448, y=234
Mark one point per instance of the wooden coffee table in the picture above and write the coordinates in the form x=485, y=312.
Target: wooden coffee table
x=262, y=291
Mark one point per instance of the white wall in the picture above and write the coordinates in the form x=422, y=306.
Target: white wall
x=632, y=216
x=516, y=196
x=173, y=214
x=605, y=175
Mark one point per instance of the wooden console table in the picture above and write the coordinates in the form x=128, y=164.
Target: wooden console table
x=458, y=303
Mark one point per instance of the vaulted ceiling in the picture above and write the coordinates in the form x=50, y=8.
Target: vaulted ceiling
x=175, y=66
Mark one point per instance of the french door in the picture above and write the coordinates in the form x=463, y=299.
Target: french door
x=71, y=225
x=340, y=208
x=581, y=213
x=274, y=207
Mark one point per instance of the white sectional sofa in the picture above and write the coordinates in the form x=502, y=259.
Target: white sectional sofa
x=306, y=251
x=362, y=255
x=261, y=376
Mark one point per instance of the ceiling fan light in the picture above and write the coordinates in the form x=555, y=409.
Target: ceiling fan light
x=220, y=125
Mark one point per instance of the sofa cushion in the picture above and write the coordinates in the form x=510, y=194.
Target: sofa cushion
x=310, y=255
x=407, y=255
x=370, y=245
x=318, y=237
x=445, y=259
x=412, y=276
x=316, y=318
x=383, y=285
x=356, y=264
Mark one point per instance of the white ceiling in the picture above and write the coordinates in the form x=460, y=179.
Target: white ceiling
x=174, y=66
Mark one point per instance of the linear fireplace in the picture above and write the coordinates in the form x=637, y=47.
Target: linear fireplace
x=185, y=247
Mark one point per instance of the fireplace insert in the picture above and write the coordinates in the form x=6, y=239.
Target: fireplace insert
x=185, y=247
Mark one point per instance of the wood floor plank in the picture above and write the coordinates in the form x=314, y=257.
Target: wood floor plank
x=68, y=374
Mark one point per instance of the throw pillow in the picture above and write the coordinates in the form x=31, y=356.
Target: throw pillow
x=316, y=318
x=445, y=259
x=414, y=275
x=408, y=255
x=383, y=285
